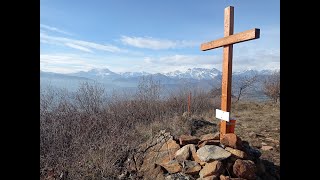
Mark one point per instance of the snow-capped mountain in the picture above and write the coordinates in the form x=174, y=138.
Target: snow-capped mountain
x=204, y=78
x=133, y=74
x=97, y=74
x=266, y=72
x=195, y=73
x=246, y=72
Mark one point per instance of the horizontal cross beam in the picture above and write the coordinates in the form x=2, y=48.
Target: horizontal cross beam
x=232, y=39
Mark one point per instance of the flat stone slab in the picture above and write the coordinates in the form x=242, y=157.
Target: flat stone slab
x=212, y=152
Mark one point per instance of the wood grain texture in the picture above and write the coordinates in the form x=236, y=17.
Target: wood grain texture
x=228, y=21
x=233, y=39
x=227, y=67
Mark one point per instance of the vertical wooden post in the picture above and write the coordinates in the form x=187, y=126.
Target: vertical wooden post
x=227, y=68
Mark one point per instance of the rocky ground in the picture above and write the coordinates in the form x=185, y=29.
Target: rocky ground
x=200, y=155
x=187, y=147
x=208, y=157
x=257, y=123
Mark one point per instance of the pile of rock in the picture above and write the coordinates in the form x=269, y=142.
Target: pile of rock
x=202, y=158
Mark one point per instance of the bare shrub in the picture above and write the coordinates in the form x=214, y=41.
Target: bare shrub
x=89, y=97
x=200, y=102
x=177, y=125
x=271, y=86
x=148, y=89
x=242, y=86
x=90, y=134
x=72, y=136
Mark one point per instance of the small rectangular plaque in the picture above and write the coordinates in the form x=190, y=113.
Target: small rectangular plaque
x=223, y=115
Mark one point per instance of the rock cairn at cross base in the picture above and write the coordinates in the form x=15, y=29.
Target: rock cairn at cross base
x=164, y=157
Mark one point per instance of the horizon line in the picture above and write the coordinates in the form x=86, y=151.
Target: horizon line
x=249, y=69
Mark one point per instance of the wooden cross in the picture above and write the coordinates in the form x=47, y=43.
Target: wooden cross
x=227, y=43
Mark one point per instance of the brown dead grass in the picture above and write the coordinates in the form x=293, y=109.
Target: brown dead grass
x=90, y=139
x=258, y=122
x=89, y=134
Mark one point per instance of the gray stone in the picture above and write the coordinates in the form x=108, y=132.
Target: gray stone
x=183, y=153
x=191, y=167
x=212, y=152
x=178, y=176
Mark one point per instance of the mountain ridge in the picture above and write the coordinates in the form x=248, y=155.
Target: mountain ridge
x=191, y=73
x=203, y=78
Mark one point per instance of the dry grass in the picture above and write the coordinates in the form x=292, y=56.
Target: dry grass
x=256, y=123
x=90, y=137
x=177, y=125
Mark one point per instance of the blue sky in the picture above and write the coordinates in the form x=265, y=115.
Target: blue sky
x=153, y=36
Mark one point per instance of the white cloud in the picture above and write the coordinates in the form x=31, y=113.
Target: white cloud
x=186, y=59
x=156, y=44
x=101, y=47
x=65, y=63
x=261, y=59
x=177, y=62
x=78, y=47
x=256, y=58
x=78, y=44
x=50, y=28
x=68, y=63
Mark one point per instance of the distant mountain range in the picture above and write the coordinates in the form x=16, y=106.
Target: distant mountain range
x=195, y=77
x=194, y=73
